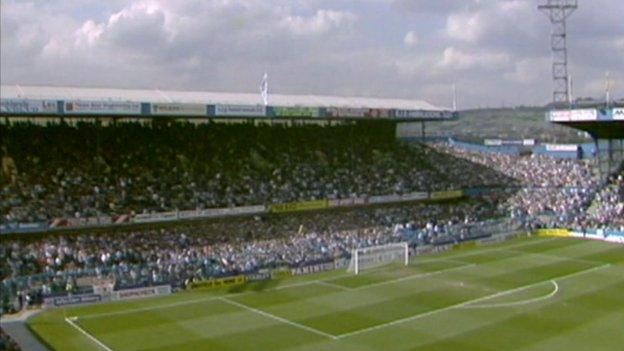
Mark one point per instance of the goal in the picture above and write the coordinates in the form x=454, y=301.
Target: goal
x=374, y=256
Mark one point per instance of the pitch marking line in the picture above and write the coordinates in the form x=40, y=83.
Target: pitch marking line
x=305, y=283
x=337, y=286
x=279, y=319
x=522, y=302
x=70, y=320
x=413, y=276
x=465, y=303
x=326, y=282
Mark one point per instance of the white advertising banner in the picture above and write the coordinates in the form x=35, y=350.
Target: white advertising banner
x=562, y=147
x=102, y=107
x=240, y=110
x=618, y=114
x=584, y=115
x=172, y=109
x=560, y=116
x=142, y=292
x=492, y=142
x=28, y=106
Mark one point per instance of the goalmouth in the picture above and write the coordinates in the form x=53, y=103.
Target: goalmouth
x=374, y=256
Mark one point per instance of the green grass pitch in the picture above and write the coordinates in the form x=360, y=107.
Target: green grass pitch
x=525, y=294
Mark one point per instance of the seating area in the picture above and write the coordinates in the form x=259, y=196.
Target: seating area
x=86, y=170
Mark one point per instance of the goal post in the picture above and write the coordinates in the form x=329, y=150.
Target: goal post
x=374, y=256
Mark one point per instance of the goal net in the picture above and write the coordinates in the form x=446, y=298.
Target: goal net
x=375, y=256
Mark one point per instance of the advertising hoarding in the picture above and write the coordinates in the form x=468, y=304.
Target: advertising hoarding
x=492, y=142
x=28, y=106
x=71, y=300
x=560, y=116
x=414, y=196
x=382, y=199
x=562, y=147
x=240, y=110
x=354, y=201
x=219, y=282
x=423, y=114
x=142, y=292
x=102, y=107
x=584, y=115
x=447, y=195
x=378, y=113
x=618, y=114
x=299, y=206
x=172, y=109
x=286, y=111
x=334, y=112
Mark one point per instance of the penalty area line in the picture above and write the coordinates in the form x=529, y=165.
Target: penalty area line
x=466, y=303
x=521, y=302
x=70, y=321
x=277, y=318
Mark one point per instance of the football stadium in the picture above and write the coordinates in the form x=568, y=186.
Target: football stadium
x=179, y=219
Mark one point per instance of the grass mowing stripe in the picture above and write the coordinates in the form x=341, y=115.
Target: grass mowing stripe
x=277, y=318
x=465, y=303
x=89, y=336
x=322, y=281
x=561, y=258
x=149, y=308
x=337, y=286
x=325, y=282
x=413, y=276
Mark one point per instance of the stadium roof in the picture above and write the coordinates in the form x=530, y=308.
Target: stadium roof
x=157, y=95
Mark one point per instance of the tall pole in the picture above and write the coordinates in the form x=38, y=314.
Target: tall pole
x=558, y=12
x=454, y=98
x=607, y=90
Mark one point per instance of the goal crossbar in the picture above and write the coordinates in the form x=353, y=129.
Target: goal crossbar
x=374, y=256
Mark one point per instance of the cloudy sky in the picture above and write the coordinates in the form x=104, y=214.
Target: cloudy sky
x=497, y=51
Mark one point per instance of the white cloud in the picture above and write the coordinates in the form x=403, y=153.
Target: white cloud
x=410, y=39
x=456, y=59
x=467, y=27
x=322, y=22
x=530, y=71
x=308, y=46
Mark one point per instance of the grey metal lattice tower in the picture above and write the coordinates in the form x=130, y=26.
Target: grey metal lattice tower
x=558, y=11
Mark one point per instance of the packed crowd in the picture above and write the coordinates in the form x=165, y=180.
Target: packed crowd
x=553, y=192
x=88, y=170
x=607, y=209
x=180, y=254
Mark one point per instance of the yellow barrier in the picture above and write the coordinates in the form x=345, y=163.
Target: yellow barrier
x=299, y=206
x=218, y=283
x=446, y=195
x=560, y=233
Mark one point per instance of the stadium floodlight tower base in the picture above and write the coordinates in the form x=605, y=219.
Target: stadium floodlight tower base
x=374, y=256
